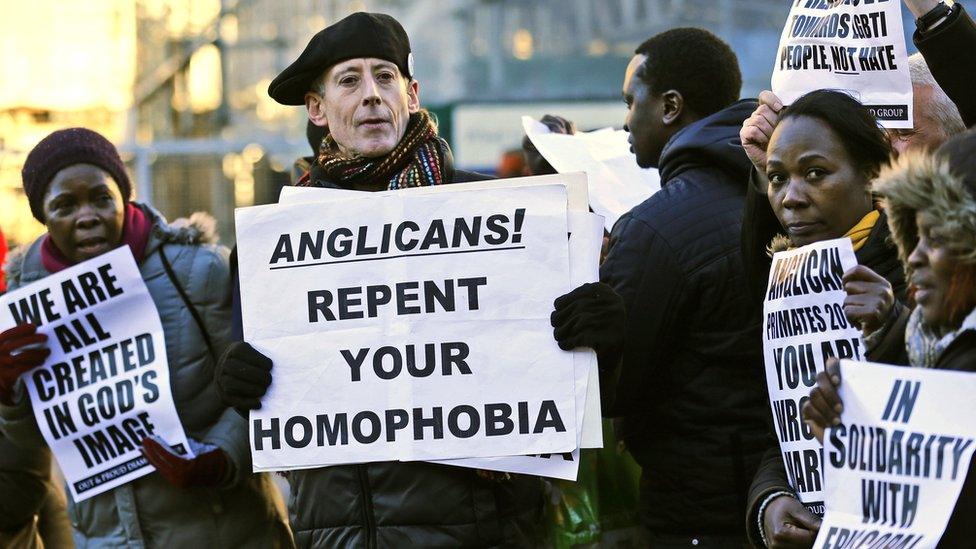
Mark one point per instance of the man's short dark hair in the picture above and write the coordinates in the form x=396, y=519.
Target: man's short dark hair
x=694, y=62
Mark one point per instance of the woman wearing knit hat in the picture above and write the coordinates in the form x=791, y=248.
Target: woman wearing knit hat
x=931, y=205
x=77, y=186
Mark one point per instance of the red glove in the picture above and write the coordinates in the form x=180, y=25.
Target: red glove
x=208, y=469
x=13, y=365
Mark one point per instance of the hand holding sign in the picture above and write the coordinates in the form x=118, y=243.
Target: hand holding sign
x=15, y=359
x=758, y=128
x=242, y=377
x=788, y=523
x=207, y=469
x=824, y=407
x=593, y=315
x=869, y=299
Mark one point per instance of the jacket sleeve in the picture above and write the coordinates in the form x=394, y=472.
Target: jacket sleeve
x=17, y=420
x=643, y=269
x=23, y=487
x=770, y=478
x=759, y=226
x=942, y=49
x=229, y=432
x=887, y=345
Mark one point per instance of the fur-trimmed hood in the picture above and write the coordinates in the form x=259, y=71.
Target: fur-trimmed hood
x=924, y=182
x=198, y=229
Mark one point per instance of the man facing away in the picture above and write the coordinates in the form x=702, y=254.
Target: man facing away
x=687, y=379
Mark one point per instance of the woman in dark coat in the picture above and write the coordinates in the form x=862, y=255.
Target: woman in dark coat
x=814, y=185
x=931, y=206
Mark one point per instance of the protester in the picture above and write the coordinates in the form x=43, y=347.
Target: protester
x=693, y=400
x=931, y=206
x=942, y=33
x=935, y=117
x=511, y=164
x=536, y=164
x=355, y=79
x=816, y=173
x=77, y=186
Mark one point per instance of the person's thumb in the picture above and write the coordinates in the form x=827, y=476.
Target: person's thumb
x=806, y=519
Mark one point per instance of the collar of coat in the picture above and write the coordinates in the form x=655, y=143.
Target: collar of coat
x=24, y=262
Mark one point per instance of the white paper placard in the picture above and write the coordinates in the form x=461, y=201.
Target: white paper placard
x=413, y=326
x=105, y=386
x=857, y=47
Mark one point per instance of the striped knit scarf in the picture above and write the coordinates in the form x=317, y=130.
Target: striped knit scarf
x=416, y=161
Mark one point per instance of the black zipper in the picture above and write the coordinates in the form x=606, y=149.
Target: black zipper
x=369, y=521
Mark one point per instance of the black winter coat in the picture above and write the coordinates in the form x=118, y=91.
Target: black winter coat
x=880, y=255
x=961, y=530
x=690, y=387
x=415, y=504
x=948, y=51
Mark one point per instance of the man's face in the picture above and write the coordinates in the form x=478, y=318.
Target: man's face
x=928, y=132
x=644, y=116
x=365, y=104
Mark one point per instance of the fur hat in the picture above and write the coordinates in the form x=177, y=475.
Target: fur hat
x=944, y=184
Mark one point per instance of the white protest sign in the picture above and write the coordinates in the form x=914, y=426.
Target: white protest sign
x=105, y=386
x=408, y=326
x=575, y=184
x=803, y=325
x=563, y=466
x=897, y=462
x=853, y=46
x=616, y=182
x=585, y=244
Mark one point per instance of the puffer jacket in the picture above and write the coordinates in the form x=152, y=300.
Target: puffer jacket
x=940, y=47
x=690, y=388
x=149, y=512
x=409, y=504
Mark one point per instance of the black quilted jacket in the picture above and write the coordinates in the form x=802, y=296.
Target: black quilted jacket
x=691, y=390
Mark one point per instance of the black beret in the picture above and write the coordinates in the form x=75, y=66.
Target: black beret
x=356, y=36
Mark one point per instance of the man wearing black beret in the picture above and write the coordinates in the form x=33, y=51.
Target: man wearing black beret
x=355, y=78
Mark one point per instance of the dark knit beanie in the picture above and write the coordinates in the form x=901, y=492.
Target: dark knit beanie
x=65, y=148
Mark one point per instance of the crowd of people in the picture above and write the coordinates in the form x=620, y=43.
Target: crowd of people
x=675, y=319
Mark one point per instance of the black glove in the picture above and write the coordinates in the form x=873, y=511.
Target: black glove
x=242, y=377
x=593, y=316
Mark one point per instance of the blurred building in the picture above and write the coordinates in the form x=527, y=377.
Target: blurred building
x=181, y=85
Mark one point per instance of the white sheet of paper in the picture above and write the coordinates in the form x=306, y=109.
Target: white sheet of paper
x=105, y=386
x=564, y=466
x=575, y=183
x=586, y=241
x=897, y=462
x=616, y=182
x=507, y=327
x=804, y=324
x=857, y=47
